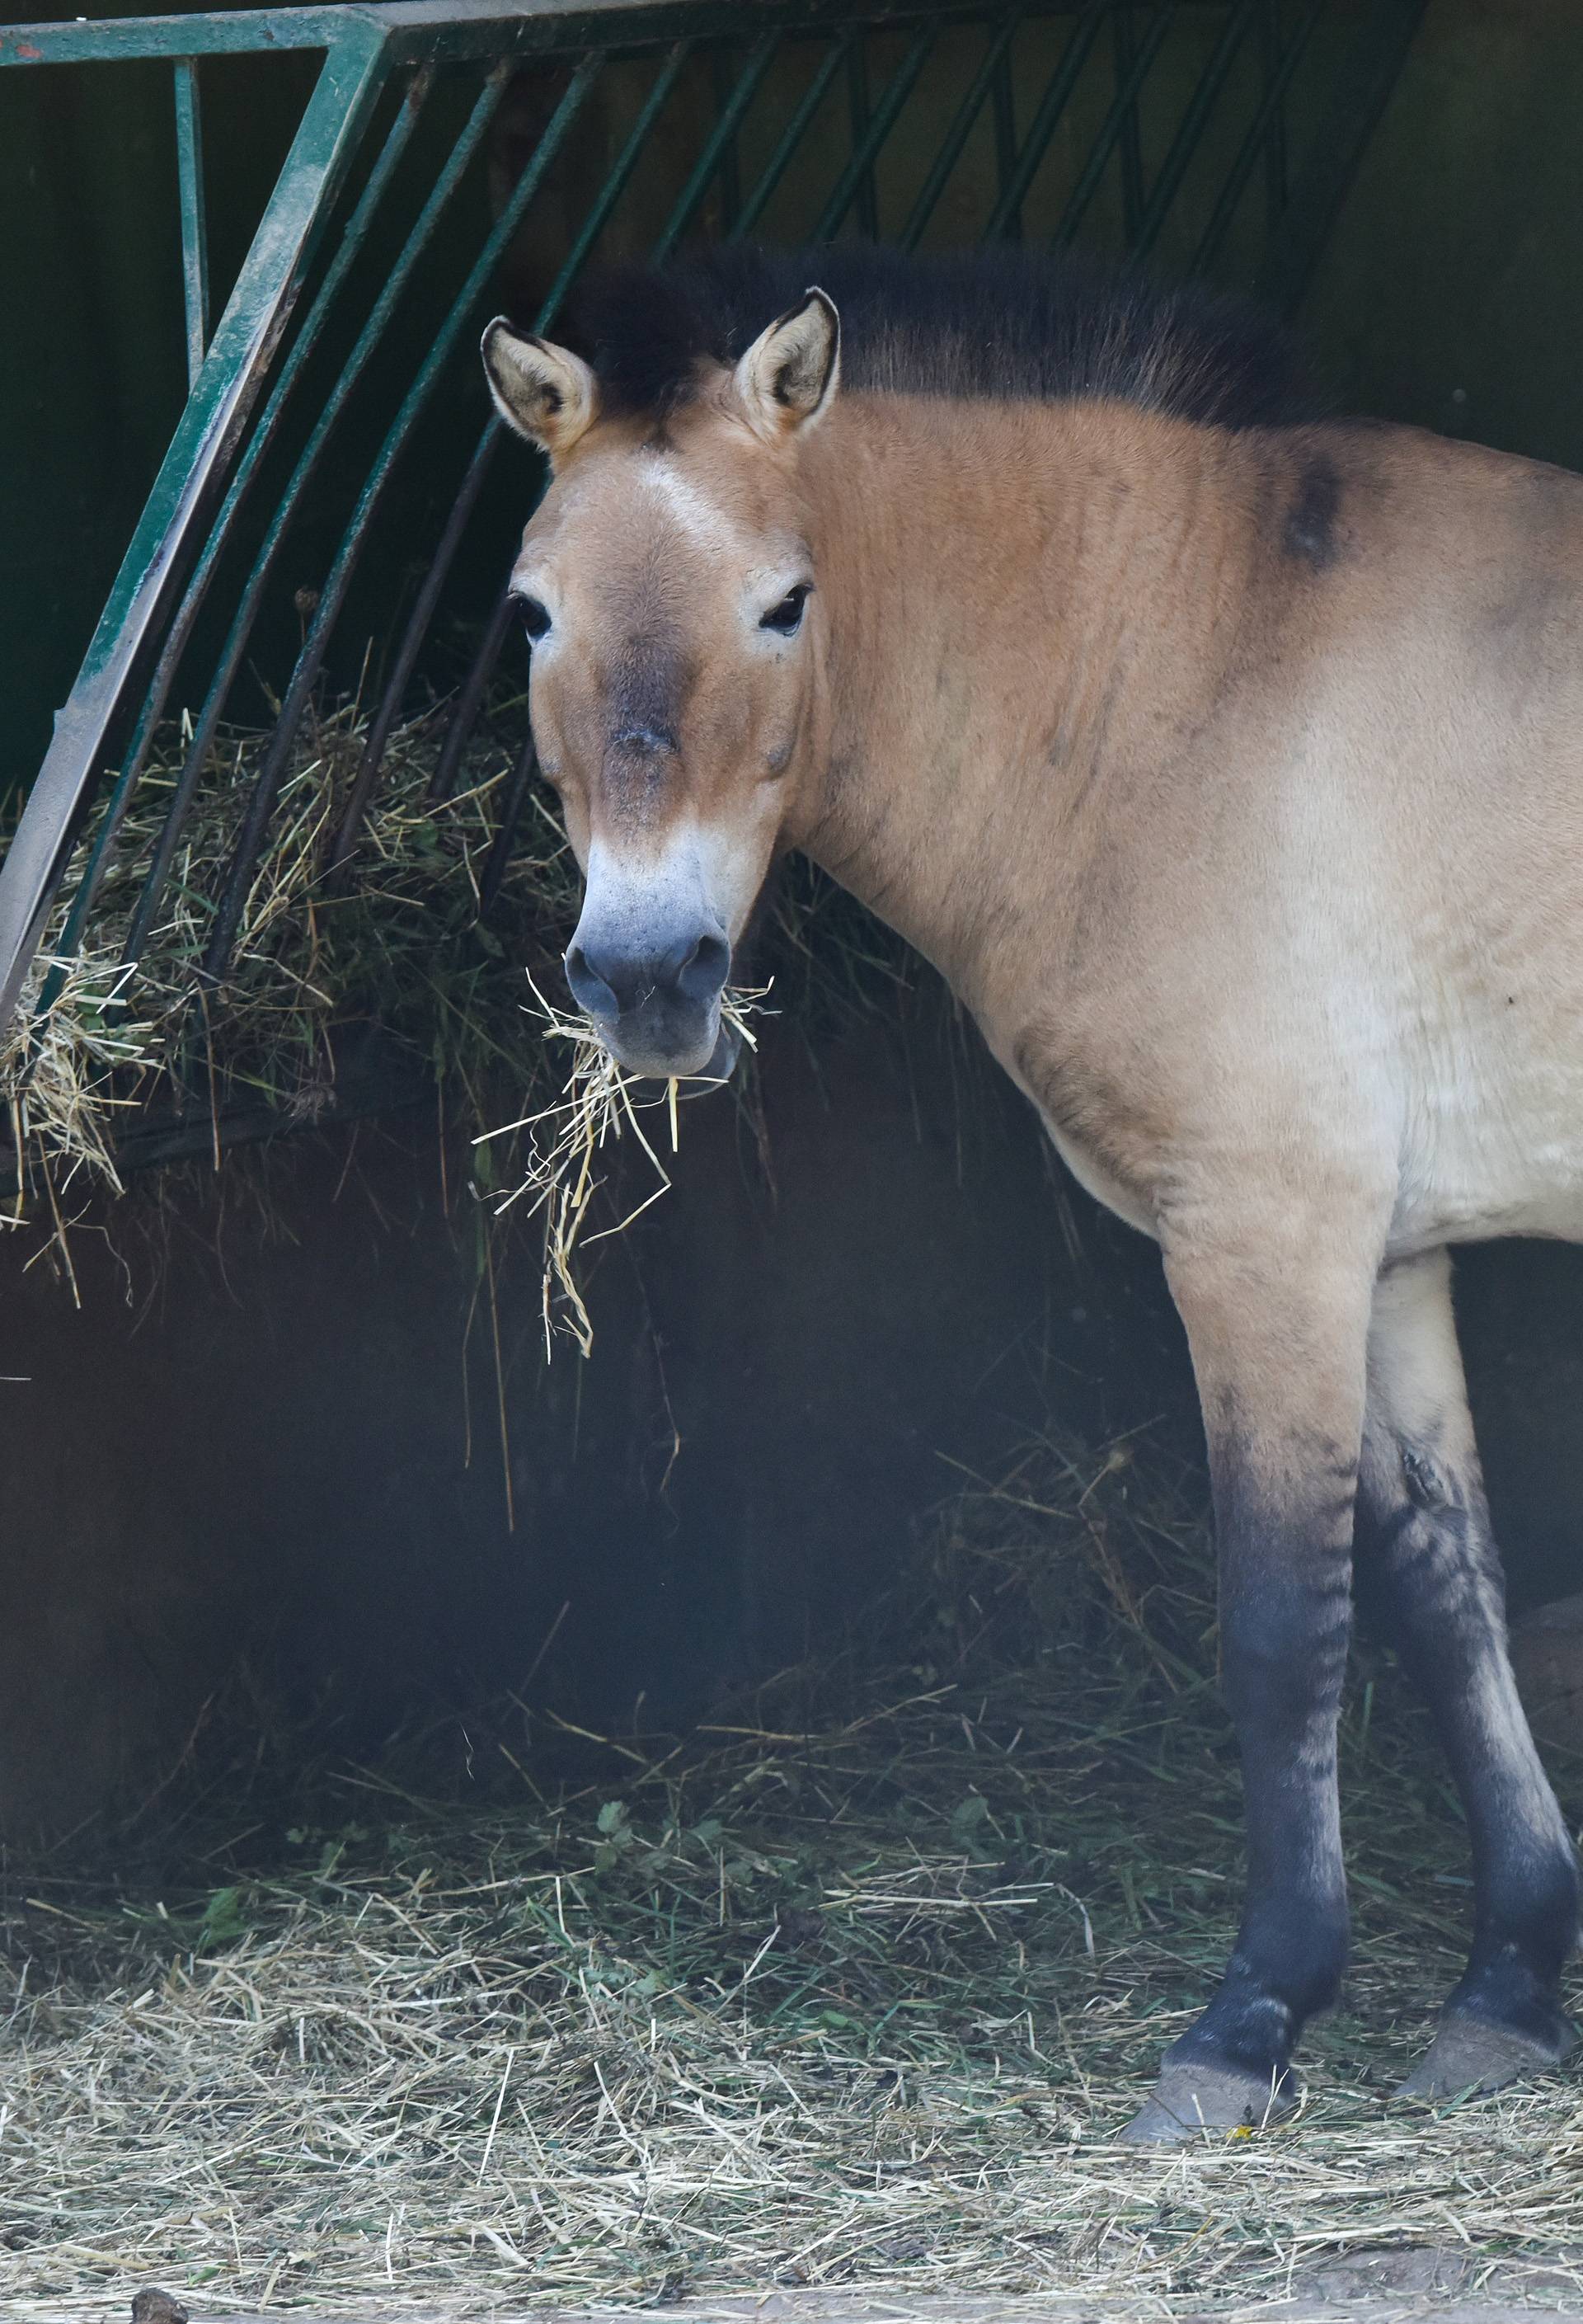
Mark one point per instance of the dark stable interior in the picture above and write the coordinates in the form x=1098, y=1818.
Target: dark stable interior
x=265, y=1452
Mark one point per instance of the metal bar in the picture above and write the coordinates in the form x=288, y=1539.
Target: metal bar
x=478, y=466
x=1006, y=144
x=717, y=144
x=459, y=27
x=195, y=236
x=1185, y=142
x=1051, y=105
x=246, y=614
x=1128, y=140
x=111, y=41
x=407, y=653
x=181, y=625
x=1043, y=126
x=304, y=676
x=615, y=184
x=1362, y=89
x=857, y=123
x=730, y=176
x=1111, y=129
x=1247, y=152
x=858, y=169
x=956, y=136
x=200, y=452
x=470, y=701
x=1275, y=136
x=792, y=135
x=498, y=860
x=443, y=30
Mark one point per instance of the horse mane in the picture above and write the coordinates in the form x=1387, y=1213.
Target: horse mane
x=997, y=323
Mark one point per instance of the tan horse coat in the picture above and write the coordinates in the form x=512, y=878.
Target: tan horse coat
x=1233, y=777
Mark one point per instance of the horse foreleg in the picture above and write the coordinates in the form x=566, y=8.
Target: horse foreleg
x=1424, y=1550
x=1278, y=1321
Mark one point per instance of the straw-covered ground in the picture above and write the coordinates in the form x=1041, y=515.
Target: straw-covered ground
x=850, y=1989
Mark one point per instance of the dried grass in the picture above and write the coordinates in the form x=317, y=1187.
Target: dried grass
x=567, y=1141
x=400, y=946
x=851, y=1990
x=400, y=950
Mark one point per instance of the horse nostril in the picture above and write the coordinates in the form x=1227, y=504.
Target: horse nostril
x=611, y=984
x=590, y=989
x=704, y=970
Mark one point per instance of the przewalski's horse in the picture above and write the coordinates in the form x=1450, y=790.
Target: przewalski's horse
x=1229, y=763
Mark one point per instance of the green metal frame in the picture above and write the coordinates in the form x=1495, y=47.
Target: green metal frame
x=194, y=238
x=247, y=369
x=211, y=427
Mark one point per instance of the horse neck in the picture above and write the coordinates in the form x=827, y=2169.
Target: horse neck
x=1022, y=603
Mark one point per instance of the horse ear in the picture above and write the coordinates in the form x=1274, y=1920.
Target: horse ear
x=539, y=390
x=787, y=377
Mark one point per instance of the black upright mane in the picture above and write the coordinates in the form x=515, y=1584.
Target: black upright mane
x=997, y=323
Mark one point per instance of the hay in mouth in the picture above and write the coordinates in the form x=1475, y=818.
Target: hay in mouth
x=563, y=1140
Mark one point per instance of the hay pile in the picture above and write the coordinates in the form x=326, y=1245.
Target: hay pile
x=852, y=1988
x=397, y=953
x=399, y=946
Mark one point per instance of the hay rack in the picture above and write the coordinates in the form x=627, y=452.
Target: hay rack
x=445, y=141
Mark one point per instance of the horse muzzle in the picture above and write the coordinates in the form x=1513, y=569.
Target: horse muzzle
x=657, y=1005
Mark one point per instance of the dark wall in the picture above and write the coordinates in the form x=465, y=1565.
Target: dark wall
x=1444, y=296
x=260, y=1437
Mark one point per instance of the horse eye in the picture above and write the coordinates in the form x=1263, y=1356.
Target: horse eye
x=786, y=618
x=534, y=618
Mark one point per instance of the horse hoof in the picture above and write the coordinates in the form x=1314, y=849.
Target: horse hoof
x=1189, y=2101
x=1478, y=2053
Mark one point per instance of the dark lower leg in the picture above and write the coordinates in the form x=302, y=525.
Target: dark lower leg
x=1427, y=1560
x=1425, y=1555
x=1284, y=1632
x=1280, y=1362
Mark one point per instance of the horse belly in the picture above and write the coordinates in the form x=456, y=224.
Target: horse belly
x=1494, y=1147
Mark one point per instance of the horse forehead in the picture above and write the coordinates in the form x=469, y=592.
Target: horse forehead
x=644, y=501
x=692, y=504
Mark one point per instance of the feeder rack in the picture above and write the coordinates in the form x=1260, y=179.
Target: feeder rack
x=1217, y=137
